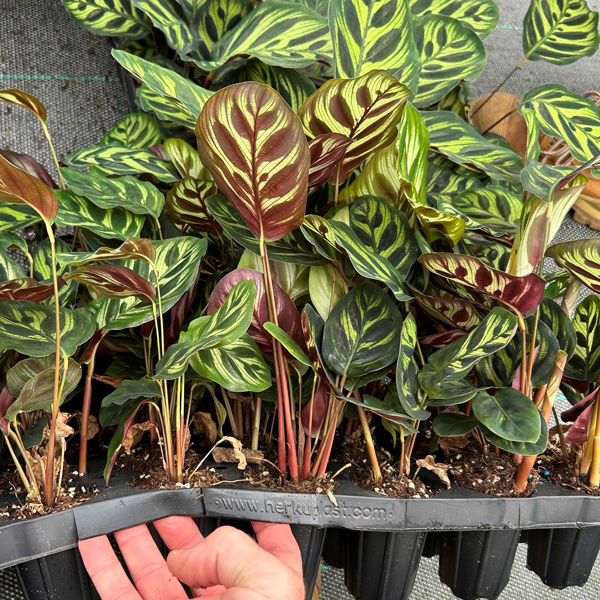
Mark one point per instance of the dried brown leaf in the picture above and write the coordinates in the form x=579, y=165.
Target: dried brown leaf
x=440, y=469
x=134, y=435
x=230, y=455
x=203, y=424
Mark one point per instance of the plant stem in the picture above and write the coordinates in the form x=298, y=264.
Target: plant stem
x=370, y=445
x=523, y=356
x=514, y=110
x=61, y=181
x=256, y=423
x=337, y=184
x=561, y=435
x=19, y=468
x=232, y=421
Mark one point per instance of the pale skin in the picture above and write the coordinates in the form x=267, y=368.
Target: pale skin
x=226, y=565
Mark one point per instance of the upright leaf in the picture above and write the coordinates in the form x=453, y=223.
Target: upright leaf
x=25, y=100
x=581, y=259
x=584, y=365
x=366, y=110
x=326, y=151
x=326, y=288
x=136, y=130
x=374, y=35
x=255, y=148
x=164, y=107
x=185, y=158
x=413, y=148
x=186, y=204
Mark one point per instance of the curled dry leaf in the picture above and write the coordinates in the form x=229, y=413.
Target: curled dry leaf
x=134, y=435
x=203, y=424
x=440, y=469
x=237, y=449
x=108, y=380
x=93, y=425
x=229, y=455
x=63, y=429
x=453, y=443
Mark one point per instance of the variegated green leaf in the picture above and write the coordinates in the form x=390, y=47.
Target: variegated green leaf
x=544, y=181
x=77, y=211
x=413, y=146
x=367, y=262
x=238, y=367
x=292, y=86
x=385, y=231
x=454, y=424
x=479, y=15
x=366, y=110
x=581, y=259
x=362, y=332
x=560, y=31
x=185, y=158
x=186, y=204
x=452, y=311
x=14, y=217
x=281, y=34
x=566, y=115
x=12, y=240
x=177, y=262
x=560, y=324
x=24, y=370
x=128, y=193
x=318, y=231
x=452, y=137
x=521, y=294
x=30, y=328
x=326, y=288
x=288, y=343
x=164, y=108
x=223, y=327
x=406, y=370
x=584, y=365
x=136, y=130
x=165, y=82
x=444, y=177
x=494, y=208
x=254, y=146
x=9, y=269
x=133, y=248
x=449, y=52
x=117, y=18
x=165, y=15
x=509, y=414
x=121, y=160
x=114, y=403
x=373, y=35
x=455, y=360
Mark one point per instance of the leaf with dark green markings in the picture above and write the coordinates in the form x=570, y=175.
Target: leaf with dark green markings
x=14, y=217
x=136, y=130
x=288, y=343
x=479, y=15
x=581, y=258
x=185, y=158
x=522, y=448
x=362, y=332
x=238, y=367
x=368, y=263
x=452, y=311
x=12, y=240
x=114, y=17
x=461, y=143
x=129, y=389
x=163, y=107
x=42, y=270
x=320, y=234
x=138, y=197
x=544, y=181
x=413, y=146
x=449, y=52
x=30, y=328
x=121, y=160
x=38, y=392
x=9, y=269
x=560, y=32
x=290, y=248
x=406, y=370
x=375, y=35
x=559, y=323
x=186, y=204
x=447, y=424
x=77, y=211
x=584, y=365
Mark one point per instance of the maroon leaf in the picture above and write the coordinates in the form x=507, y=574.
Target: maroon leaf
x=578, y=433
x=319, y=404
x=6, y=399
x=452, y=311
x=28, y=164
x=26, y=288
x=439, y=340
x=326, y=151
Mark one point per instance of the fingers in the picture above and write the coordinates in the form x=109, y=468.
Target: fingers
x=277, y=539
x=147, y=567
x=232, y=559
x=105, y=570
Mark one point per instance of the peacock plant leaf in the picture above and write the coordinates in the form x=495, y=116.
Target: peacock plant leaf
x=165, y=82
x=164, y=107
x=406, y=370
x=521, y=294
x=27, y=288
x=368, y=262
x=128, y=193
x=77, y=211
x=223, y=327
x=326, y=151
x=18, y=186
x=238, y=367
x=462, y=144
x=136, y=130
x=453, y=424
x=37, y=393
x=479, y=15
x=362, y=332
x=186, y=204
x=185, y=158
x=177, y=262
x=584, y=365
x=453, y=393
x=116, y=402
x=292, y=247
x=449, y=53
x=30, y=328
x=452, y=311
x=412, y=150
x=12, y=240
x=291, y=85
x=288, y=343
x=281, y=34
x=113, y=281
x=375, y=35
x=455, y=360
x=9, y=269
x=326, y=288
x=566, y=115
x=581, y=258
x=522, y=448
x=133, y=248
x=119, y=18
x=560, y=31
x=254, y=146
x=166, y=16
x=365, y=109
x=319, y=232
x=121, y=160
x=508, y=414
x=560, y=324
x=25, y=100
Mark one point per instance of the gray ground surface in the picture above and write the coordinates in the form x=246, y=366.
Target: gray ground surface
x=43, y=52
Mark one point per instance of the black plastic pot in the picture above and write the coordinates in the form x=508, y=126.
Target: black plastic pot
x=563, y=557
x=334, y=550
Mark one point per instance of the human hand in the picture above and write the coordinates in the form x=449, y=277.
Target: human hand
x=226, y=565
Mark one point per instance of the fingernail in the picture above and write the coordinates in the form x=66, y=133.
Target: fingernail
x=176, y=552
